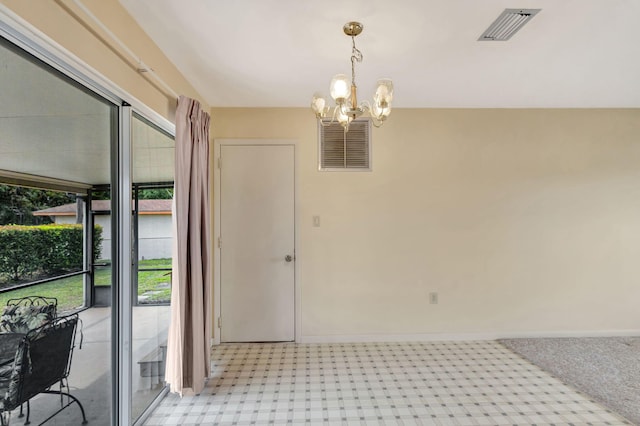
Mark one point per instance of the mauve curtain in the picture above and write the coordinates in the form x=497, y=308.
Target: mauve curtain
x=188, y=345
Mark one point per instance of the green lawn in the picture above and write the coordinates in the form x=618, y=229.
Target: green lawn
x=154, y=285
x=68, y=291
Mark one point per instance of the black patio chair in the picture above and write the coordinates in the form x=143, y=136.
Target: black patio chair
x=42, y=360
x=21, y=315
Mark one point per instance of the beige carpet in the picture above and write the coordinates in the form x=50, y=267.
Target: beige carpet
x=605, y=368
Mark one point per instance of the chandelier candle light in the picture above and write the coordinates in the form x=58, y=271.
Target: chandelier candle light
x=345, y=96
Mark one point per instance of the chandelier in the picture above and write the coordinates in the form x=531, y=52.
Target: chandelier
x=344, y=93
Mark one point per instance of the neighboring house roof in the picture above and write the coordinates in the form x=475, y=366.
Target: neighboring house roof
x=144, y=207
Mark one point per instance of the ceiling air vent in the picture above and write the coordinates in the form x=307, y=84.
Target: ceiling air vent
x=507, y=24
x=345, y=151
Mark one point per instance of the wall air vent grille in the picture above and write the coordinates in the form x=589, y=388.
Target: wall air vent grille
x=344, y=151
x=507, y=24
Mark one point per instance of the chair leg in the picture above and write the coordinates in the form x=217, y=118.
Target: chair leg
x=26, y=422
x=84, y=417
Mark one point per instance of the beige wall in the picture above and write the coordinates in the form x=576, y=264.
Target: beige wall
x=67, y=25
x=524, y=222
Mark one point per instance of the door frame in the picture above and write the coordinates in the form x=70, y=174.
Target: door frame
x=217, y=306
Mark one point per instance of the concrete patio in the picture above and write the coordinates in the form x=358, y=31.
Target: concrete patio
x=90, y=378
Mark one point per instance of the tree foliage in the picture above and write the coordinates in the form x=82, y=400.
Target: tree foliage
x=156, y=194
x=17, y=204
x=143, y=194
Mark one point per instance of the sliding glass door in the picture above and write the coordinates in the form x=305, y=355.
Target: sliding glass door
x=55, y=142
x=74, y=155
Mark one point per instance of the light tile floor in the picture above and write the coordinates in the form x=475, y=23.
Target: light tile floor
x=435, y=383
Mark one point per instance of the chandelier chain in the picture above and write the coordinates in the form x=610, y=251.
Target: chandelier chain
x=356, y=56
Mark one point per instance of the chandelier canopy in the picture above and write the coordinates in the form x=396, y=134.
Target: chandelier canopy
x=344, y=92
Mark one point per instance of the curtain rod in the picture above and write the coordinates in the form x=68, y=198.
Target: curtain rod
x=142, y=67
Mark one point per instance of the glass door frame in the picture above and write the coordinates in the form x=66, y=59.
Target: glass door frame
x=121, y=225
x=34, y=42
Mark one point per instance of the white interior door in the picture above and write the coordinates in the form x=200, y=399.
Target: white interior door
x=257, y=243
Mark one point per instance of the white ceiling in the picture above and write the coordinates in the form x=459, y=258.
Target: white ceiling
x=277, y=53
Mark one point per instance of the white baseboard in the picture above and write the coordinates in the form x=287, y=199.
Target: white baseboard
x=572, y=333
x=435, y=337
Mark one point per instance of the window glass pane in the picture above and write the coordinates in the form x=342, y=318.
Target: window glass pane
x=49, y=126
x=153, y=168
x=55, y=133
x=42, y=245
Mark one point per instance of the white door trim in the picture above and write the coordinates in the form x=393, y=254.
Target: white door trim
x=217, y=143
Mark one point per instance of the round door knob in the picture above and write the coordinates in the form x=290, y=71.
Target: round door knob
x=288, y=258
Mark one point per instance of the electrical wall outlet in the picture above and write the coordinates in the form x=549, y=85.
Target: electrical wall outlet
x=433, y=298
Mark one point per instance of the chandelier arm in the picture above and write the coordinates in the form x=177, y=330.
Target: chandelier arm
x=376, y=122
x=382, y=116
x=335, y=113
x=333, y=117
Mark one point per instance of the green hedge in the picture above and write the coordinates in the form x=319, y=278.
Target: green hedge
x=43, y=250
